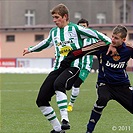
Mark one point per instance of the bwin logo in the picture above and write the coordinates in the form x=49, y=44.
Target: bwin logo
x=119, y=65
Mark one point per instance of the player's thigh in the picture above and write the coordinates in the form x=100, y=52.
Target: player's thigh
x=67, y=78
x=103, y=93
x=46, y=89
x=125, y=97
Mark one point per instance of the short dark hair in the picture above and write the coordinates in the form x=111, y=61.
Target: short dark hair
x=83, y=21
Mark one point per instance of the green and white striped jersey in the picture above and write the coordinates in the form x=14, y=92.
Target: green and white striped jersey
x=69, y=38
x=86, y=61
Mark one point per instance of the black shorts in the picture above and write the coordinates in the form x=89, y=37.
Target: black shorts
x=56, y=80
x=123, y=94
x=78, y=82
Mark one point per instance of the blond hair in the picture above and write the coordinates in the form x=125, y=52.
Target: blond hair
x=120, y=29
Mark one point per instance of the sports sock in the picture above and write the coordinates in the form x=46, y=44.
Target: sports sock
x=61, y=100
x=95, y=116
x=74, y=94
x=49, y=113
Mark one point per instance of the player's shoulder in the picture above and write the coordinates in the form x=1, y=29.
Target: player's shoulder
x=73, y=25
x=128, y=44
x=53, y=29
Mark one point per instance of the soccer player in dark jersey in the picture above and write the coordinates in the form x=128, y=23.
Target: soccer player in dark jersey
x=113, y=82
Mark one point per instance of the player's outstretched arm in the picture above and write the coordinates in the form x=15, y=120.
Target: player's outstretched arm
x=74, y=54
x=26, y=51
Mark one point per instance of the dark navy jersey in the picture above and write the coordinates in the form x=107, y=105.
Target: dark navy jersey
x=112, y=69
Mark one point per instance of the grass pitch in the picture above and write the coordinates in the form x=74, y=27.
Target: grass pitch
x=19, y=113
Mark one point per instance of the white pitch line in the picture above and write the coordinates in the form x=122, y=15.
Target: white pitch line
x=19, y=90
x=30, y=90
x=20, y=83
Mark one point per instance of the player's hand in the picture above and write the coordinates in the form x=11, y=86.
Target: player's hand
x=26, y=51
x=112, y=50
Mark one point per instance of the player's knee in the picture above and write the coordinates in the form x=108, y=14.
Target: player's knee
x=42, y=102
x=98, y=108
x=101, y=103
x=38, y=103
x=103, y=100
x=59, y=86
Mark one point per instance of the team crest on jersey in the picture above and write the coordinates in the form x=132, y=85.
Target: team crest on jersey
x=116, y=57
x=72, y=35
x=65, y=50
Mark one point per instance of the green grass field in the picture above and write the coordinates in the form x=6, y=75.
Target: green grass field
x=19, y=113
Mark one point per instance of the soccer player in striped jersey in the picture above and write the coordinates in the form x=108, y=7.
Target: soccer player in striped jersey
x=113, y=82
x=86, y=65
x=66, y=36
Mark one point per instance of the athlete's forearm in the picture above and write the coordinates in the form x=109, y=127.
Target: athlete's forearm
x=104, y=38
x=74, y=54
x=40, y=46
x=91, y=33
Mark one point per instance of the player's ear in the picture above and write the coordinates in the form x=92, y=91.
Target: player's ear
x=124, y=39
x=66, y=16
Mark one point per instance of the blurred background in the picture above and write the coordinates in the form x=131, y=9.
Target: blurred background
x=26, y=22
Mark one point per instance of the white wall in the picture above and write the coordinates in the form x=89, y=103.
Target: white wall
x=45, y=63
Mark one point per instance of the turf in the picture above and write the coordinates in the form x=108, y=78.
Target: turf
x=19, y=113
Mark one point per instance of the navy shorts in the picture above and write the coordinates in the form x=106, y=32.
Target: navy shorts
x=123, y=94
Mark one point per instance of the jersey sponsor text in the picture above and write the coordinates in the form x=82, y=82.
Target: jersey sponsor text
x=113, y=65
